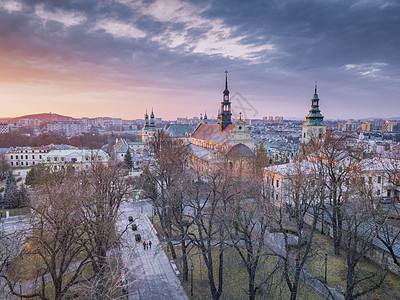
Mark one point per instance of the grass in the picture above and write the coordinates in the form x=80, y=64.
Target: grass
x=235, y=275
x=236, y=278
x=337, y=269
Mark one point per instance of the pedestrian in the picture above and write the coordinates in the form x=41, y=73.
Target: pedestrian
x=150, y=244
x=147, y=246
x=144, y=245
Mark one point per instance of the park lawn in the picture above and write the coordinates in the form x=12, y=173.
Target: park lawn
x=236, y=278
x=337, y=269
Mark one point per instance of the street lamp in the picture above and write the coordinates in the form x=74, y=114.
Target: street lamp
x=191, y=280
x=20, y=289
x=326, y=267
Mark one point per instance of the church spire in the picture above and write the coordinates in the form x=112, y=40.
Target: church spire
x=314, y=117
x=226, y=115
x=226, y=92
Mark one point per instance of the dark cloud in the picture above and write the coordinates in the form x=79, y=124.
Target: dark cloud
x=338, y=42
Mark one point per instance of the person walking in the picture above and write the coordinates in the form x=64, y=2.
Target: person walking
x=144, y=245
x=150, y=244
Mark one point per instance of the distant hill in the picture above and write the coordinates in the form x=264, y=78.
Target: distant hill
x=44, y=118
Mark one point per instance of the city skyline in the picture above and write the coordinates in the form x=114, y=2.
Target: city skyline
x=117, y=59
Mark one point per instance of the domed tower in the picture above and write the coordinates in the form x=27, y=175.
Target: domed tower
x=149, y=128
x=225, y=115
x=314, y=126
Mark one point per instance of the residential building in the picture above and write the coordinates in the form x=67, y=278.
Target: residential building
x=26, y=156
x=4, y=128
x=79, y=159
x=139, y=152
x=68, y=128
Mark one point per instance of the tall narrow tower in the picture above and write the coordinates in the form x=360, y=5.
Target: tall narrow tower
x=314, y=126
x=226, y=115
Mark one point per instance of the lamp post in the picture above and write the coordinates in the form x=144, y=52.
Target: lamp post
x=326, y=268
x=20, y=288
x=191, y=280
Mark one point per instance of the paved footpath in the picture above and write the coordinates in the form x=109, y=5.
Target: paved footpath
x=150, y=273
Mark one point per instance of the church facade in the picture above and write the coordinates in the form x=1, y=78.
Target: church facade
x=214, y=143
x=149, y=129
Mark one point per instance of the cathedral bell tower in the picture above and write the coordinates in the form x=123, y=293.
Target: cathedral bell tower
x=314, y=126
x=225, y=115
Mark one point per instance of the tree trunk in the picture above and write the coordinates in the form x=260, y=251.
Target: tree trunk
x=185, y=270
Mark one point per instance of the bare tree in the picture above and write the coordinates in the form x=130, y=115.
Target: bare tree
x=247, y=221
x=163, y=178
x=210, y=195
x=104, y=189
x=306, y=194
x=359, y=234
x=56, y=237
x=338, y=161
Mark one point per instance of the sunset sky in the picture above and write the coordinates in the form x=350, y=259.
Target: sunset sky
x=118, y=58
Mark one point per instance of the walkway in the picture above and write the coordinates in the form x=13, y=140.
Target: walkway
x=150, y=274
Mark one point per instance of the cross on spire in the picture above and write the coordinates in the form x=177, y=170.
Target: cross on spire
x=240, y=115
x=315, y=87
x=226, y=80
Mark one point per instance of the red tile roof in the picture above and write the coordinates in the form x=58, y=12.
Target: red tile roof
x=211, y=133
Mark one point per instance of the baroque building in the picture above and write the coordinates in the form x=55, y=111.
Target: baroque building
x=149, y=128
x=314, y=126
x=213, y=143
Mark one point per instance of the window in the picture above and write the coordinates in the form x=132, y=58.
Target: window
x=11, y=157
x=16, y=156
x=16, y=163
x=12, y=163
x=379, y=179
x=277, y=183
x=33, y=156
x=55, y=158
x=33, y=163
x=22, y=163
x=378, y=192
x=40, y=157
x=277, y=196
x=26, y=156
x=62, y=158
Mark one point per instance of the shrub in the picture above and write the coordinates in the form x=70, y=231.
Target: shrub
x=134, y=227
x=138, y=237
x=130, y=219
x=2, y=189
x=19, y=179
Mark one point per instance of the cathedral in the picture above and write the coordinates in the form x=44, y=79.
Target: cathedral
x=213, y=143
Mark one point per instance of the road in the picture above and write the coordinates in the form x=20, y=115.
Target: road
x=150, y=274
